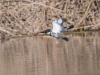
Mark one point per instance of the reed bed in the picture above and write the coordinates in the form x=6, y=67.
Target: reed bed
x=26, y=17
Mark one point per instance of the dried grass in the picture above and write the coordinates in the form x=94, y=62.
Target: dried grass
x=25, y=17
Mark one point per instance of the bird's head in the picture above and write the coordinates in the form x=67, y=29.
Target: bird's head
x=48, y=32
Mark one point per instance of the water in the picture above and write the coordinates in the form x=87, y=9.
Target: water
x=49, y=56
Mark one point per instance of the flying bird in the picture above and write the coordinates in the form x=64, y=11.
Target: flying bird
x=57, y=29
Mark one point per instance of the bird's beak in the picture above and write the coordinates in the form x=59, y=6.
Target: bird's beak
x=39, y=32
x=42, y=32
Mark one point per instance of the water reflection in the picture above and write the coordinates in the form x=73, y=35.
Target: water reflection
x=43, y=56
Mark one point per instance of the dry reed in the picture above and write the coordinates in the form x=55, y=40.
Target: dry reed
x=25, y=17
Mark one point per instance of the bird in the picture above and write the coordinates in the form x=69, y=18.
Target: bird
x=58, y=28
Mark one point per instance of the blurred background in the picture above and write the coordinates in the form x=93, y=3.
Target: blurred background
x=43, y=55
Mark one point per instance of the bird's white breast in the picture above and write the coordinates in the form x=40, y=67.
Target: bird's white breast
x=56, y=28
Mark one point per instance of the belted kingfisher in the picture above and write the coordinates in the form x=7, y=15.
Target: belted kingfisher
x=58, y=28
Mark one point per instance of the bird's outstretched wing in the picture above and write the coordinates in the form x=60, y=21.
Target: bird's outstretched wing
x=57, y=25
x=59, y=21
x=65, y=38
x=62, y=37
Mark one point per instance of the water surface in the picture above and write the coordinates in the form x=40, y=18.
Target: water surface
x=49, y=56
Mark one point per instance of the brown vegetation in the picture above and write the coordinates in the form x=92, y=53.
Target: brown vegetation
x=18, y=17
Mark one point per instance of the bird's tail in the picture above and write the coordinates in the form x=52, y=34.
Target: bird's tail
x=69, y=27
